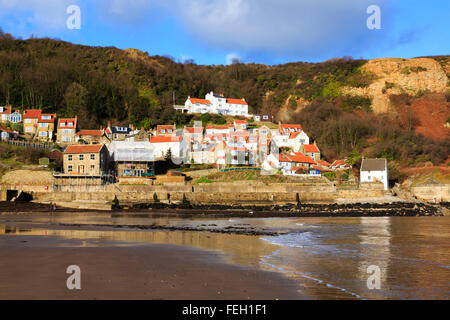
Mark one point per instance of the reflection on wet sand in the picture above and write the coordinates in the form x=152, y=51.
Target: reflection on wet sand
x=238, y=249
x=375, y=244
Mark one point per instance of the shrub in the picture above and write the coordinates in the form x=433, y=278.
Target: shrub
x=351, y=103
x=330, y=175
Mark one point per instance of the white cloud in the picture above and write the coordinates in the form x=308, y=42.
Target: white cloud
x=274, y=26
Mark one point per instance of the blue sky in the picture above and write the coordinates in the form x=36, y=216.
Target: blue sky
x=260, y=31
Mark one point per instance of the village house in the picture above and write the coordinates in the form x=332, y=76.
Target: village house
x=139, y=136
x=90, y=136
x=30, y=122
x=7, y=134
x=89, y=160
x=289, y=163
x=5, y=114
x=162, y=145
x=216, y=104
x=16, y=117
x=132, y=159
x=263, y=118
x=211, y=130
x=240, y=125
x=46, y=126
x=117, y=133
x=339, y=164
x=374, y=170
x=310, y=150
x=191, y=134
x=193, y=105
x=66, y=132
x=166, y=130
x=236, y=153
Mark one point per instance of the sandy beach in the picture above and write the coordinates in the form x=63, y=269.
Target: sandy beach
x=35, y=268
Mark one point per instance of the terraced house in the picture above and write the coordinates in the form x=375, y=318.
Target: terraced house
x=46, y=126
x=5, y=114
x=30, y=122
x=91, y=160
x=66, y=131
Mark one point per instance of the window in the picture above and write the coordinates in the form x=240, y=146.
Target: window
x=92, y=167
x=66, y=139
x=42, y=133
x=69, y=168
x=62, y=124
x=163, y=131
x=27, y=120
x=169, y=130
x=92, y=156
x=46, y=117
x=81, y=157
x=69, y=157
x=43, y=125
x=67, y=131
x=29, y=129
x=4, y=117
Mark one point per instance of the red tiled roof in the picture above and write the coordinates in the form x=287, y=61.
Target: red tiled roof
x=6, y=130
x=338, y=163
x=286, y=128
x=311, y=148
x=236, y=101
x=83, y=148
x=284, y=158
x=6, y=110
x=299, y=157
x=165, y=139
x=217, y=127
x=200, y=101
x=52, y=115
x=291, y=126
x=323, y=163
x=193, y=129
x=32, y=113
x=240, y=121
x=66, y=122
x=294, y=135
x=89, y=133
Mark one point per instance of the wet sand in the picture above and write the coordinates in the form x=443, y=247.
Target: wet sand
x=34, y=267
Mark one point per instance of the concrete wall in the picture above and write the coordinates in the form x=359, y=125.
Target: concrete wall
x=432, y=192
x=77, y=199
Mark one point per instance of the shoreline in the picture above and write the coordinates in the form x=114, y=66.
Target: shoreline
x=272, y=211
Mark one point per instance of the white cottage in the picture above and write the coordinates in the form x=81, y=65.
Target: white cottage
x=373, y=170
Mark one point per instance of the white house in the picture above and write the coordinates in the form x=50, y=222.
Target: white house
x=373, y=170
x=176, y=145
x=217, y=104
x=293, y=141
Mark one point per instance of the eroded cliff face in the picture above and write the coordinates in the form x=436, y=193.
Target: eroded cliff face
x=396, y=76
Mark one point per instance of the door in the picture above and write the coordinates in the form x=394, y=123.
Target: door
x=81, y=169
